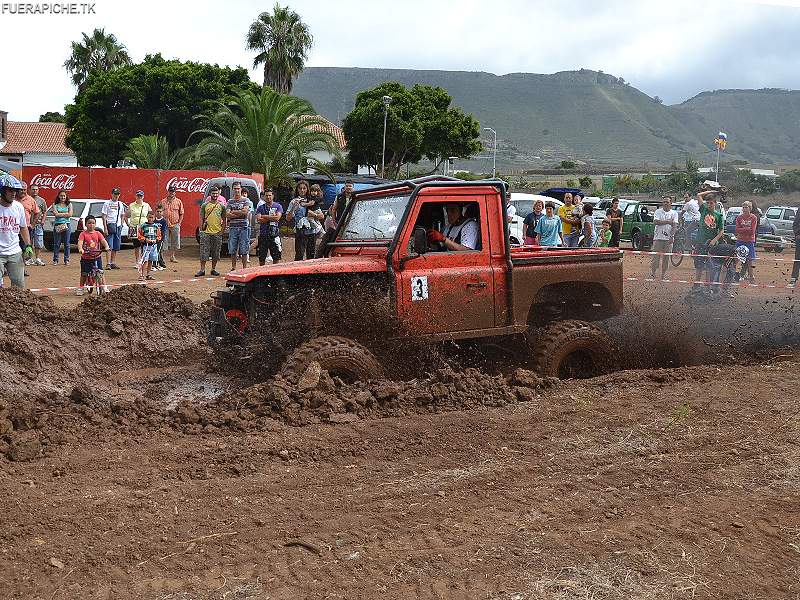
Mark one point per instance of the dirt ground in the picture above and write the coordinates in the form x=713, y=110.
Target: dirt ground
x=134, y=465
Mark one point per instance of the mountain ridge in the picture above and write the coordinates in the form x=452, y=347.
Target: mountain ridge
x=586, y=115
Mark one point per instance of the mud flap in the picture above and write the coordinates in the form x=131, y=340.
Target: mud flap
x=220, y=331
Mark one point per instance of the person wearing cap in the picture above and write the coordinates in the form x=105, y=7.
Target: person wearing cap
x=113, y=215
x=38, y=226
x=173, y=211
x=461, y=232
x=13, y=227
x=136, y=215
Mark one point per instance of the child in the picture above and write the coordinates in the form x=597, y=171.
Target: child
x=587, y=227
x=91, y=244
x=149, y=235
x=161, y=221
x=604, y=238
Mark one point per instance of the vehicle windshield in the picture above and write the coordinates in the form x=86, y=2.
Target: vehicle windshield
x=375, y=218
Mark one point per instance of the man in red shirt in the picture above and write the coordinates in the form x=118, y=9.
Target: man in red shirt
x=91, y=244
x=173, y=210
x=31, y=212
x=746, y=229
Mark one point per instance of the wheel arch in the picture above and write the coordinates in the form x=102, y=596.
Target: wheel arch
x=584, y=300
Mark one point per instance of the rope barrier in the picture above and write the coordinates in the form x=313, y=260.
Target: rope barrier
x=113, y=285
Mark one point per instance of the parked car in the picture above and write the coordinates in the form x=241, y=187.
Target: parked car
x=638, y=224
x=81, y=208
x=523, y=203
x=782, y=218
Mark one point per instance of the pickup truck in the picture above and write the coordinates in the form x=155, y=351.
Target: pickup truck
x=382, y=261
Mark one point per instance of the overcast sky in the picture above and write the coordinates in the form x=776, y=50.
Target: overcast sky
x=673, y=49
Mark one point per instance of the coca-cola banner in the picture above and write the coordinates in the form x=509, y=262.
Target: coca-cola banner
x=51, y=180
x=129, y=181
x=97, y=183
x=191, y=188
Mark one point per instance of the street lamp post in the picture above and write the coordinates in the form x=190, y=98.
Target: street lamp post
x=387, y=100
x=494, y=151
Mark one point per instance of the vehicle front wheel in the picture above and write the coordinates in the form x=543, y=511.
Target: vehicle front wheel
x=341, y=357
x=571, y=349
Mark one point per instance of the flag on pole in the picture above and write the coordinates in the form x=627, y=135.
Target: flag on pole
x=721, y=140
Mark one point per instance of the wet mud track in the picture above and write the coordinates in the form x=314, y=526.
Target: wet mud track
x=656, y=483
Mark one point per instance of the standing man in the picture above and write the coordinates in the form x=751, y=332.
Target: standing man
x=114, y=217
x=796, y=231
x=136, y=216
x=38, y=225
x=568, y=222
x=212, y=223
x=709, y=232
x=666, y=223
x=335, y=212
x=614, y=216
x=548, y=230
x=238, y=217
x=268, y=215
x=13, y=227
x=31, y=213
x=173, y=208
x=690, y=213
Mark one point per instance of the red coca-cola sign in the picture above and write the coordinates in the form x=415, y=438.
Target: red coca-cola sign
x=190, y=185
x=47, y=181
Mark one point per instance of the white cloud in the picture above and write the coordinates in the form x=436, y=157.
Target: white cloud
x=674, y=49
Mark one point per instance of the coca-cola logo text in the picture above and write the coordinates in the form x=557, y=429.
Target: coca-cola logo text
x=59, y=182
x=190, y=186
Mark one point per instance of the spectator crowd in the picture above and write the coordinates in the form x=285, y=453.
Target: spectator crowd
x=155, y=232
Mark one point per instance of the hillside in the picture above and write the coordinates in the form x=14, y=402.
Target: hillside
x=586, y=115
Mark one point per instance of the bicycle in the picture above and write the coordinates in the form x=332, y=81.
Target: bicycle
x=678, y=246
x=95, y=279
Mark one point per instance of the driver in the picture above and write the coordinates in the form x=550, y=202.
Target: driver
x=461, y=233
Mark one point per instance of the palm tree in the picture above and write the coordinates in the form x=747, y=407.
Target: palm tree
x=152, y=152
x=282, y=41
x=269, y=133
x=100, y=52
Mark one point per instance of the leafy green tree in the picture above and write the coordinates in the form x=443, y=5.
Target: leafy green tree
x=420, y=124
x=97, y=53
x=790, y=181
x=269, y=133
x=154, y=96
x=585, y=181
x=567, y=164
x=282, y=41
x=51, y=117
x=153, y=152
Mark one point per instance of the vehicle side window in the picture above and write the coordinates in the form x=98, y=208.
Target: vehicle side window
x=629, y=209
x=774, y=213
x=789, y=214
x=96, y=209
x=465, y=231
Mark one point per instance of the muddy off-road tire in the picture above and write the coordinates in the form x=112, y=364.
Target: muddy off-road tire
x=570, y=349
x=339, y=356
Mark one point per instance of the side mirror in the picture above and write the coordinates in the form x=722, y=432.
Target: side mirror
x=420, y=241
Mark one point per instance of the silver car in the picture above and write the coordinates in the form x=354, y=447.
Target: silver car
x=81, y=208
x=782, y=217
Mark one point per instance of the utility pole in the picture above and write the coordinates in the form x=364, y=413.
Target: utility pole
x=387, y=100
x=494, y=151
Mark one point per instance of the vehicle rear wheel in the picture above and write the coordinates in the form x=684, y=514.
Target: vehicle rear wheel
x=571, y=349
x=637, y=241
x=341, y=357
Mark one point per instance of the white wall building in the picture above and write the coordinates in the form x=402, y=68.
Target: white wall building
x=30, y=144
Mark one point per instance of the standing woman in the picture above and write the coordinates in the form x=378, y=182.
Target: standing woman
x=62, y=211
x=529, y=224
x=316, y=216
x=298, y=214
